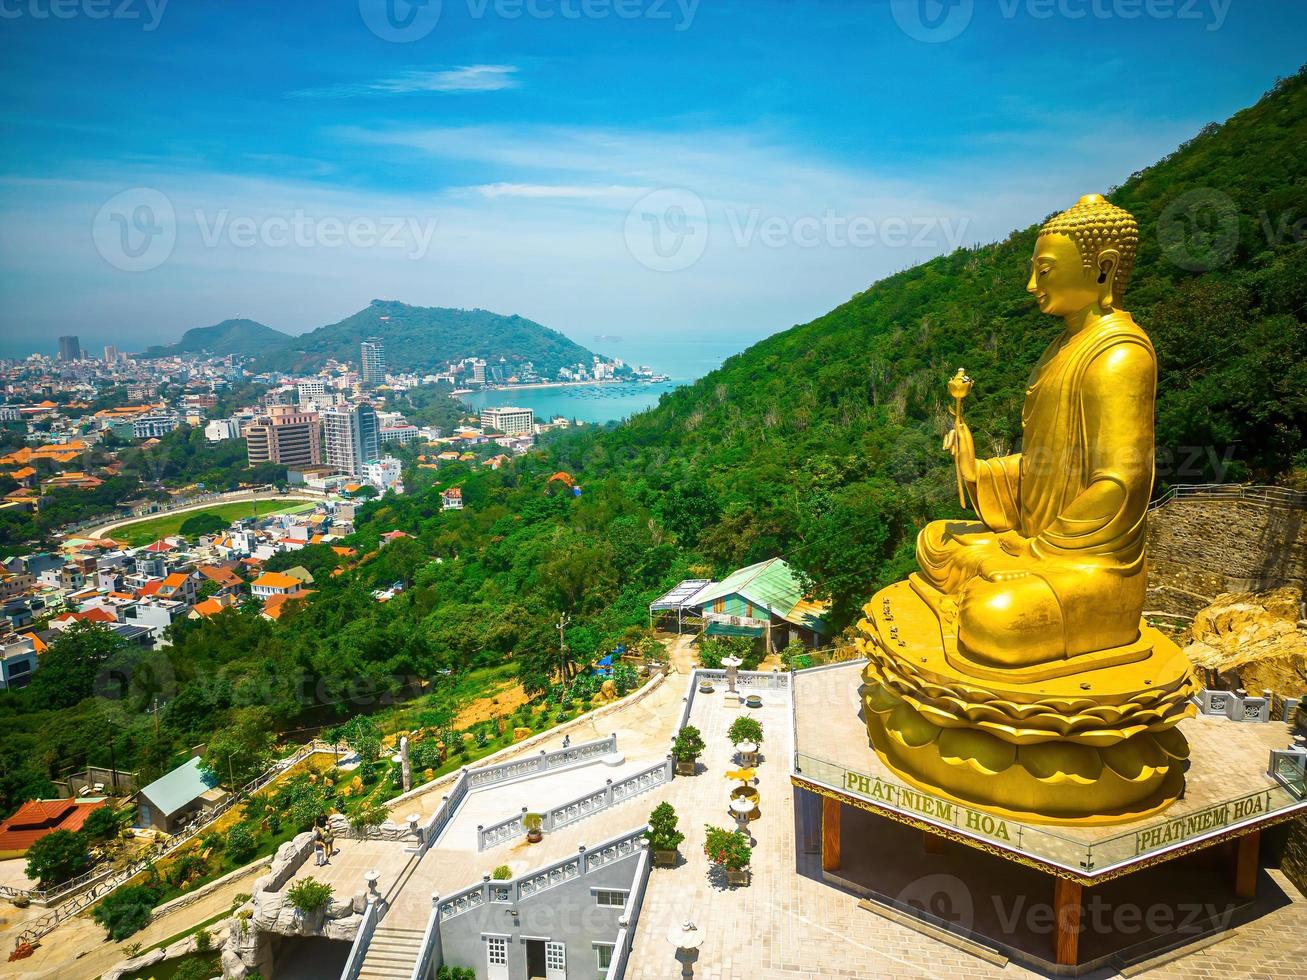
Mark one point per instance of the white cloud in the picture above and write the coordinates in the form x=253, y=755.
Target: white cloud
x=469, y=78
x=555, y=191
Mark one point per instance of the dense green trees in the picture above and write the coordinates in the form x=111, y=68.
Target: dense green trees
x=58, y=856
x=242, y=749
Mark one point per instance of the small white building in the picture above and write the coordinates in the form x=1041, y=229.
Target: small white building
x=220, y=430
x=384, y=474
x=18, y=662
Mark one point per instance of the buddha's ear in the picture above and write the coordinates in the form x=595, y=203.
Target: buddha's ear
x=1108, y=260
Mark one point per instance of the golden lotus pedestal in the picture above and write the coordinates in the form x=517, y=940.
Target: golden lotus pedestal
x=1086, y=741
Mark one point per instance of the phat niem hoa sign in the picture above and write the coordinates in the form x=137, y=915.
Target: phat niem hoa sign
x=907, y=800
x=1202, y=822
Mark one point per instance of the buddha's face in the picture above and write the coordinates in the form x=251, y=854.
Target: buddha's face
x=1058, y=278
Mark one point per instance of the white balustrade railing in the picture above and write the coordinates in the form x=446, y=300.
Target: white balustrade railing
x=585, y=861
x=630, y=918
x=541, y=763
x=612, y=793
x=359, y=950
x=445, y=812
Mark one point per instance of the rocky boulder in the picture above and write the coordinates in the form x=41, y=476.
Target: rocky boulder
x=1252, y=640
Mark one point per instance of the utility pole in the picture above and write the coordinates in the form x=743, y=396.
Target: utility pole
x=562, y=648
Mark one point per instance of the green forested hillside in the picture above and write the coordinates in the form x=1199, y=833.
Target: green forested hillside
x=221, y=339
x=821, y=444
x=420, y=338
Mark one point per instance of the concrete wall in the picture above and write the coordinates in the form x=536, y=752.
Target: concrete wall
x=565, y=913
x=1199, y=548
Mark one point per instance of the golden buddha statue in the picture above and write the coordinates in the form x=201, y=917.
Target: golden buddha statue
x=1013, y=670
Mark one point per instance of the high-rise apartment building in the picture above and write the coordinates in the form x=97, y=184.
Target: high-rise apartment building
x=70, y=349
x=509, y=421
x=374, y=363
x=351, y=437
x=478, y=372
x=110, y=355
x=311, y=390
x=286, y=436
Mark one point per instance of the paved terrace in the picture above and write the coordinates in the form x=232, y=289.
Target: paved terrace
x=789, y=924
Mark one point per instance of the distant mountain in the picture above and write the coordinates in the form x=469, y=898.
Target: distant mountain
x=420, y=338
x=228, y=337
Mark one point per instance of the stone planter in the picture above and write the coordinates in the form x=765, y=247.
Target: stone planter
x=686, y=768
x=740, y=877
x=666, y=859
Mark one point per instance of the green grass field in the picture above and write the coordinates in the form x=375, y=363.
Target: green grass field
x=151, y=529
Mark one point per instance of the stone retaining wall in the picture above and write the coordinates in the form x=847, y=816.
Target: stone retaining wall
x=1199, y=548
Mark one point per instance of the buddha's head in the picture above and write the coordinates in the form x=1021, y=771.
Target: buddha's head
x=1083, y=257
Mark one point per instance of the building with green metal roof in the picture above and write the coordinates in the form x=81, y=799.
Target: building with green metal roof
x=763, y=600
x=172, y=799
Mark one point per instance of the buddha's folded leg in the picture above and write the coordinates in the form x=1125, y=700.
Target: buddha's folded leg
x=1011, y=620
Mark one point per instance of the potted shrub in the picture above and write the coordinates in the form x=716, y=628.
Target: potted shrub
x=534, y=822
x=745, y=729
x=663, y=837
x=687, y=748
x=729, y=850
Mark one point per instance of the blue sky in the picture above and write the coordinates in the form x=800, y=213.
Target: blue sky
x=633, y=167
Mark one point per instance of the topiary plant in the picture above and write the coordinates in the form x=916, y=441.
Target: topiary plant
x=662, y=833
x=688, y=745
x=745, y=729
x=308, y=895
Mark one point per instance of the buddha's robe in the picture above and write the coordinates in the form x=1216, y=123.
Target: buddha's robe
x=1056, y=567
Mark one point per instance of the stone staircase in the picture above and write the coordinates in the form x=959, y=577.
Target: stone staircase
x=392, y=954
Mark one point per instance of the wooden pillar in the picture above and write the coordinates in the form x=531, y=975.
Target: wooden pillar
x=830, y=834
x=1066, y=912
x=932, y=843
x=1245, y=865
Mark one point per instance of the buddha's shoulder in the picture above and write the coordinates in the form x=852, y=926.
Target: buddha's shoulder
x=1119, y=330
x=1120, y=348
